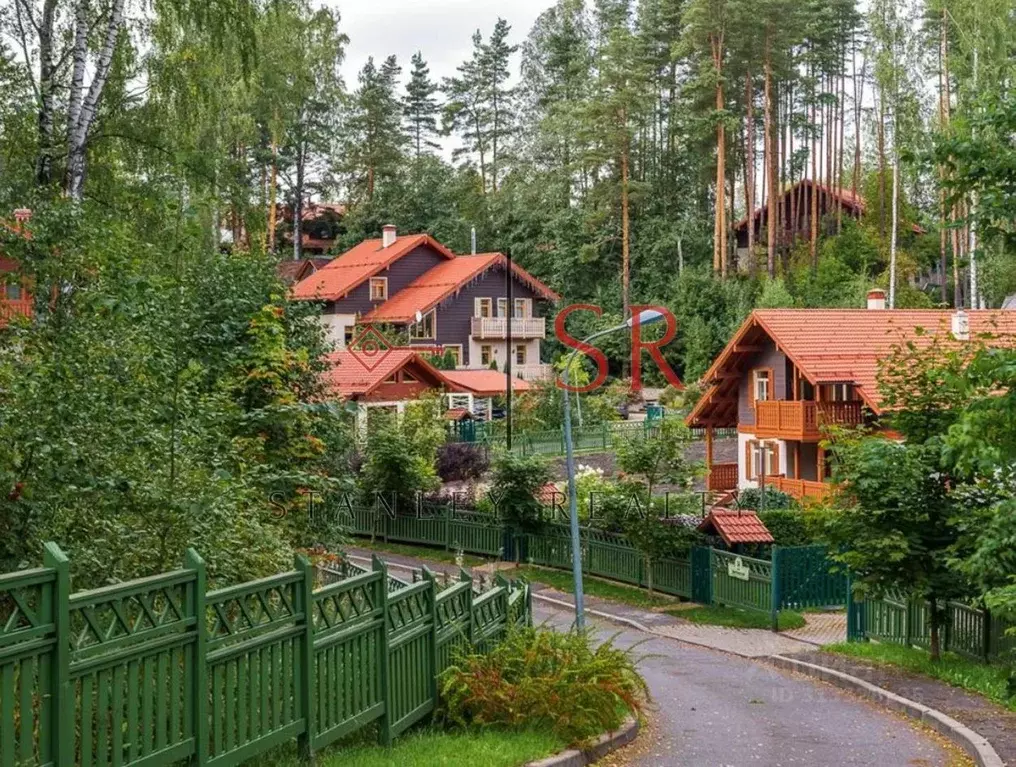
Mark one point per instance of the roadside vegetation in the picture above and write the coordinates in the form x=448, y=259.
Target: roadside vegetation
x=735, y=617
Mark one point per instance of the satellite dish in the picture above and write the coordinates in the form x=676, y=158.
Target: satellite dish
x=419, y=316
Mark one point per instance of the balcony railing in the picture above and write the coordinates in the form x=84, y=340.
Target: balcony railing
x=722, y=476
x=803, y=419
x=497, y=327
x=535, y=372
x=10, y=308
x=799, y=488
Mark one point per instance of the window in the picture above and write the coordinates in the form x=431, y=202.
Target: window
x=425, y=328
x=455, y=352
x=13, y=291
x=761, y=384
x=520, y=354
x=378, y=288
x=486, y=354
x=482, y=307
x=523, y=307
x=408, y=377
x=502, y=307
x=348, y=335
x=755, y=453
x=841, y=392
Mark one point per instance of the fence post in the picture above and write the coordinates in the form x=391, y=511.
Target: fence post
x=384, y=727
x=62, y=701
x=429, y=577
x=305, y=671
x=986, y=633
x=193, y=561
x=448, y=528
x=465, y=575
x=852, y=622
x=774, y=589
x=906, y=622
x=604, y=435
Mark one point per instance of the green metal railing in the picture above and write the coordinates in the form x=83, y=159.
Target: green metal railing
x=159, y=670
x=802, y=574
x=968, y=631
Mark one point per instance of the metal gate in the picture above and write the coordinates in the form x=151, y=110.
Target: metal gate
x=702, y=575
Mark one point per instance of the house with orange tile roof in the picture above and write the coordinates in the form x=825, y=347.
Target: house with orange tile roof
x=440, y=299
x=788, y=373
x=388, y=379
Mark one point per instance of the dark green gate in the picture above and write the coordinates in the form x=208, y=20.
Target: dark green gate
x=702, y=575
x=806, y=578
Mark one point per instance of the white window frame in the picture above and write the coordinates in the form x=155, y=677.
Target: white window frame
x=526, y=305
x=379, y=281
x=490, y=358
x=760, y=375
x=483, y=304
x=417, y=328
x=502, y=307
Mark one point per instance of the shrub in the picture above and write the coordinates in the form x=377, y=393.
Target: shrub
x=461, y=460
x=751, y=498
x=788, y=526
x=542, y=679
x=515, y=487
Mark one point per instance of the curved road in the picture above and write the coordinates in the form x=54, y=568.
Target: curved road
x=712, y=709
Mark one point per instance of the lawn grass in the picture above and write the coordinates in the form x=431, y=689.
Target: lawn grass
x=735, y=617
x=985, y=679
x=616, y=592
x=419, y=552
x=428, y=746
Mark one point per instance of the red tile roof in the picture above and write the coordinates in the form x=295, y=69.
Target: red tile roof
x=846, y=345
x=289, y=271
x=356, y=265
x=440, y=282
x=736, y=527
x=349, y=376
x=485, y=383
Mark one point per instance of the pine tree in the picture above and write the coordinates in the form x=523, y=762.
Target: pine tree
x=420, y=107
x=374, y=139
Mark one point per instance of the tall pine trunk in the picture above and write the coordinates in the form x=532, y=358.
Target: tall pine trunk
x=813, y=215
x=719, y=226
x=625, y=226
x=943, y=120
x=770, y=153
x=749, y=167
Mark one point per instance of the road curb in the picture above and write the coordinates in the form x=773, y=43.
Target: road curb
x=972, y=742
x=598, y=613
x=603, y=745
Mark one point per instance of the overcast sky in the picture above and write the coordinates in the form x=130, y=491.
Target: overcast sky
x=441, y=29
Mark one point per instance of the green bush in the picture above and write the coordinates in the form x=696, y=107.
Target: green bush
x=751, y=498
x=542, y=679
x=788, y=526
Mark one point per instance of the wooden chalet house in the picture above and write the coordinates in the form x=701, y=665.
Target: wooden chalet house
x=441, y=300
x=788, y=373
x=16, y=298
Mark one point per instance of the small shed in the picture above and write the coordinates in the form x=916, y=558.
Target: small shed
x=736, y=527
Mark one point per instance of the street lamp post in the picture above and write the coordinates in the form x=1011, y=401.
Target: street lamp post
x=646, y=317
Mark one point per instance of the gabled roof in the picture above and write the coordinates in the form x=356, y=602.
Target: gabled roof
x=443, y=280
x=835, y=346
x=736, y=527
x=483, y=383
x=293, y=271
x=358, y=264
x=351, y=374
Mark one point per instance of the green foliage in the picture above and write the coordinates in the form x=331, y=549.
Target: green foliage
x=401, y=453
x=790, y=527
x=736, y=617
x=751, y=498
x=543, y=679
x=515, y=482
x=660, y=459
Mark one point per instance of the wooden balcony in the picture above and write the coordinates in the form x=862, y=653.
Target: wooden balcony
x=497, y=328
x=799, y=488
x=10, y=308
x=801, y=419
x=722, y=476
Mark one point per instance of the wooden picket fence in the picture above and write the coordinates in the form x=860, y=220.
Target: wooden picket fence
x=159, y=670
x=969, y=631
x=802, y=574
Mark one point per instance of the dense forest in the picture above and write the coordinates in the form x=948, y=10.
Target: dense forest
x=613, y=149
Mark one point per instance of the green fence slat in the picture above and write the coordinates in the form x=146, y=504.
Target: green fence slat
x=195, y=608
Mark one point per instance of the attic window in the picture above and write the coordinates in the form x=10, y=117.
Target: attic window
x=378, y=288
x=761, y=384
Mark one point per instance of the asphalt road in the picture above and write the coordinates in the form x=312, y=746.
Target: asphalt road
x=711, y=709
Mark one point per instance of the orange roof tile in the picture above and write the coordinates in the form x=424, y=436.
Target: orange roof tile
x=350, y=375
x=437, y=284
x=736, y=527
x=486, y=383
x=846, y=345
x=359, y=263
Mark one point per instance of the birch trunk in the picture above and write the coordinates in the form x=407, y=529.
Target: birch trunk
x=44, y=161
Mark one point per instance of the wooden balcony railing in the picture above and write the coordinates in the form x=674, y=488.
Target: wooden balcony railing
x=497, y=327
x=799, y=488
x=10, y=308
x=722, y=476
x=802, y=419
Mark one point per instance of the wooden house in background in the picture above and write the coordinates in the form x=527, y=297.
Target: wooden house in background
x=16, y=299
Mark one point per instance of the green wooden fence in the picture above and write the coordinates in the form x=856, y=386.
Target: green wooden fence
x=159, y=670
x=968, y=631
x=803, y=575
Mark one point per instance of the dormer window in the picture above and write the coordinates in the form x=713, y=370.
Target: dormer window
x=425, y=329
x=378, y=288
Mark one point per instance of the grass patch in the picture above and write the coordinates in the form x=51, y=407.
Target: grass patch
x=735, y=617
x=984, y=679
x=419, y=552
x=429, y=746
x=616, y=592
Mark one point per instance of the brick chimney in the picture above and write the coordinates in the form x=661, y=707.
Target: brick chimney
x=388, y=235
x=876, y=299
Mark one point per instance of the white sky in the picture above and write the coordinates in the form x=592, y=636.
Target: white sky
x=440, y=29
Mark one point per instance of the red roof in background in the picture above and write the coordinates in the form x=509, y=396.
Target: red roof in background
x=736, y=527
x=437, y=284
x=289, y=271
x=359, y=263
x=485, y=383
x=846, y=345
